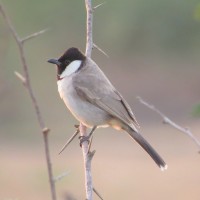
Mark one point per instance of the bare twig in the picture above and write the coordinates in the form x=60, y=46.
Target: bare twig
x=26, y=80
x=97, y=6
x=33, y=35
x=168, y=121
x=87, y=158
x=61, y=176
x=103, y=52
x=89, y=42
x=69, y=141
x=97, y=193
x=21, y=78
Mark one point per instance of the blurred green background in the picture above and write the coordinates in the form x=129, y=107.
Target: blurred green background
x=153, y=48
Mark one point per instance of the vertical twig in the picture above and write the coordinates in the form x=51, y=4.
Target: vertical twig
x=86, y=156
x=26, y=81
x=87, y=165
x=89, y=38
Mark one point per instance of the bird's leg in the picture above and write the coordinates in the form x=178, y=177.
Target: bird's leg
x=87, y=138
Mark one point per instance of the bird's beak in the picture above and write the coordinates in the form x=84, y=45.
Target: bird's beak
x=54, y=61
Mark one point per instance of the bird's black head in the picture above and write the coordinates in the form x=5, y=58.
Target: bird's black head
x=69, y=56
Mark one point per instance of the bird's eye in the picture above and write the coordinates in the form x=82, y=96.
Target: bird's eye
x=67, y=62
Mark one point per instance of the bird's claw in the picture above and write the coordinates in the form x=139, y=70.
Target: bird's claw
x=83, y=139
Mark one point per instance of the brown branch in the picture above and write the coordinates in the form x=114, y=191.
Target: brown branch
x=26, y=81
x=168, y=121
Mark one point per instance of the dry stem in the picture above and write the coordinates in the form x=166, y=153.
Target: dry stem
x=83, y=130
x=89, y=42
x=168, y=121
x=26, y=81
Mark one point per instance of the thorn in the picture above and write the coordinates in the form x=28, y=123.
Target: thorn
x=97, y=6
x=69, y=141
x=95, y=46
x=34, y=35
x=21, y=77
x=97, y=193
x=61, y=176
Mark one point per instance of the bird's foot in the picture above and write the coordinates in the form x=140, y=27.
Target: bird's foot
x=76, y=126
x=83, y=139
x=87, y=138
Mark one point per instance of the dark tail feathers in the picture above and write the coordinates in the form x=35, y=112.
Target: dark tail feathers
x=147, y=147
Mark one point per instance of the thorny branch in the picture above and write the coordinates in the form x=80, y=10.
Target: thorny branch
x=89, y=38
x=168, y=121
x=87, y=156
x=26, y=82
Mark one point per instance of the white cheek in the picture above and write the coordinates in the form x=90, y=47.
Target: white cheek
x=71, y=68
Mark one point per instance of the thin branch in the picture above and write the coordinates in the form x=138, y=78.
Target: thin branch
x=99, y=5
x=44, y=129
x=97, y=193
x=89, y=39
x=168, y=121
x=49, y=165
x=69, y=141
x=33, y=35
x=21, y=78
x=7, y=20
x=87, y=157
x=103, y=52
x=61, y=176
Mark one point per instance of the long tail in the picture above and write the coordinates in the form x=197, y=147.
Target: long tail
x=147, y=147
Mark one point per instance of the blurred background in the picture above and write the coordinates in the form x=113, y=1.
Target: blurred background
x=153, y=49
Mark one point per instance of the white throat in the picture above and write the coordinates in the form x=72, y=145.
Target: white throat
x=71, y=68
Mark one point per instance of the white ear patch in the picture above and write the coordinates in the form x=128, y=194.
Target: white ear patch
x=71, y=68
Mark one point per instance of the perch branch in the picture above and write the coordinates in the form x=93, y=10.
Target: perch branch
x=87, y=157
x=26, y=81
x=89, y=38
x=168, y=121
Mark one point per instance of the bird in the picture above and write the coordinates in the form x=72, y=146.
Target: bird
x=94, y=101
